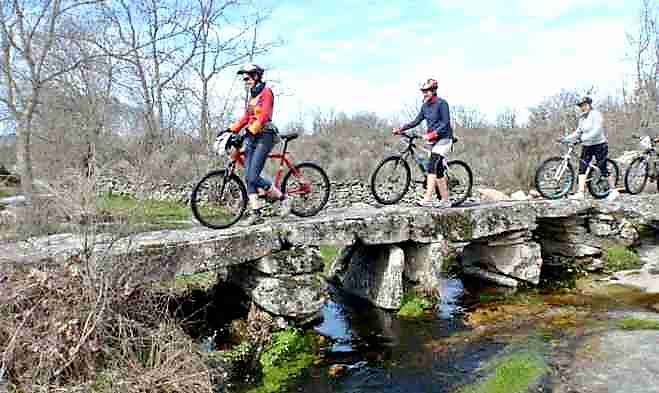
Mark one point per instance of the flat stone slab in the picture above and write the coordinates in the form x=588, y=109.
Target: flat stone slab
x=625, y=361
x=200, y=249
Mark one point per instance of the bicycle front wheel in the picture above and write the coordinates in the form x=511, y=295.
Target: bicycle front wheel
x=219, y=200
x=614, y=170
x=554, y=178
x=391, y=180
x=460, y=180
x=636, y=176
x=308, y=189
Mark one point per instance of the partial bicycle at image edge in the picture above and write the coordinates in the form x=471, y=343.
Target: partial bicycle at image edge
x=390, y=188
x=219, y=199
x=643, y=167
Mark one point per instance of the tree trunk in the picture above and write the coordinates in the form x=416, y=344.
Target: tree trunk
x=24, y=155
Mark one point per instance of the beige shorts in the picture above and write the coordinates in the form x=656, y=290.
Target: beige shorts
x=442, y=147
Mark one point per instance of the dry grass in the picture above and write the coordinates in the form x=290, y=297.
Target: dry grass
x=75, y=327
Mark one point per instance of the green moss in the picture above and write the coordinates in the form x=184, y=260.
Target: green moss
x=329, y=254
x=638, y=324
x=514, y=373
x=414, y=306
x=621, y=258
x=646, y=231
x=4, y=193
x=203, y=281
x=287, y=357
x=145, y=215
x=104, y=383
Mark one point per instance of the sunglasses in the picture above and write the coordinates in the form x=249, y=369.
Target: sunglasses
x=247, y=78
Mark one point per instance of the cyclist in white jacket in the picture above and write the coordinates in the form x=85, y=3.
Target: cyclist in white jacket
x=590, y=132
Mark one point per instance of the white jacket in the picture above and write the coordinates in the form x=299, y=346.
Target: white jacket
x=590, y=130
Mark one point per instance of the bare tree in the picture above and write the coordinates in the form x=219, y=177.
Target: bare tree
x=645, y=54
x=468, y=117
x=217, y=52
x=507, y=118
x=28, y=33
x=157, y=39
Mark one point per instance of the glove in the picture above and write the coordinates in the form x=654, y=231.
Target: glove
x=237, y=140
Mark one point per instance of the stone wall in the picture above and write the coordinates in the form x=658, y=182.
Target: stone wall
x=342, y=194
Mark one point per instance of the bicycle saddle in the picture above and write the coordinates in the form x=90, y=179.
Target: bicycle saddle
x=289, y=137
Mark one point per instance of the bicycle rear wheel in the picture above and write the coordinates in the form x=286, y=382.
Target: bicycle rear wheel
x=308, y=189
x=460, y=180
x=391, y=180
x=636, y=176
x=554, y=178
x=614, y=170
x=218, y=200
x=598, y=185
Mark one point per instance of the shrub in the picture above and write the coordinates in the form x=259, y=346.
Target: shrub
x=619, y=258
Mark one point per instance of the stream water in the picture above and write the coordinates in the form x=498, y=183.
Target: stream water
x=449, y=349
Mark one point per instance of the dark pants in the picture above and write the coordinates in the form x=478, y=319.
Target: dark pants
x=257, y=149
x=600, y=152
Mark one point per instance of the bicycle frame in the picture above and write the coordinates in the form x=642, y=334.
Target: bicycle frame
x=410, y=150
x=284, y=163
x=567, y=157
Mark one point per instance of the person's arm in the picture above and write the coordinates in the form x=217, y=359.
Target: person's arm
x=419, y=118
x=237, y=126
x=266, y=101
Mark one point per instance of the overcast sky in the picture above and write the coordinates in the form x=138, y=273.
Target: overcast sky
x=372, y=55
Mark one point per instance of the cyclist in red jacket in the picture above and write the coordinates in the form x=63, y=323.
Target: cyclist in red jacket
x=435, y=111
x=259, y=138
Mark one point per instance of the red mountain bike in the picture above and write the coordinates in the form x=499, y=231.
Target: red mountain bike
x=219, y=199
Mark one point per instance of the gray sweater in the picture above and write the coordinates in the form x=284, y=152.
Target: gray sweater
x=590, y=130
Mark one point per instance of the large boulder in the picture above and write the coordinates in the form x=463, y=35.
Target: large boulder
x=513, y=255
x=300, y=297
x=299, y=260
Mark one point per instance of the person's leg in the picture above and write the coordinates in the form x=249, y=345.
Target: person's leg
x=442, y=183
x=431, y=179
x=260, y=150
x=441, y=150
x=252, y=189
x=586, y=155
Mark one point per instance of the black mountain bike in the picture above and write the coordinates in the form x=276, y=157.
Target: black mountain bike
x=392, y=177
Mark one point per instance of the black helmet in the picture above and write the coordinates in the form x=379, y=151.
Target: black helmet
x=251, y=69
x=585, y=100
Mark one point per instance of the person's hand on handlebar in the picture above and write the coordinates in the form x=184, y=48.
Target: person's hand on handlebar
x=396, y=131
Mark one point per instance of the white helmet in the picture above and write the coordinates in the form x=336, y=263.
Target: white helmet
x=645, y=142
x=221, y=145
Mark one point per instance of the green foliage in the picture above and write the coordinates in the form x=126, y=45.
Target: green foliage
x=414, y=306
x=203, y=281
x=241, y=352
x=103, y=383
x=7, y=192
x=638, y=324
x=288, y=356
x=150, y=213
x=329, y=253
x=621, y=258
x=514, y=373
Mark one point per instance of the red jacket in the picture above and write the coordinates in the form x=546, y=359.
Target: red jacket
x=258, y=114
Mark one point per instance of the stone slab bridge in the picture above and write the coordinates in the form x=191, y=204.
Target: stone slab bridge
x=385, y=249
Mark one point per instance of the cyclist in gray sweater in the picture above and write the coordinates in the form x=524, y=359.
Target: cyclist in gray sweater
x=590, y=133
